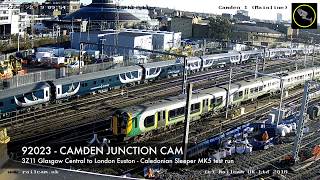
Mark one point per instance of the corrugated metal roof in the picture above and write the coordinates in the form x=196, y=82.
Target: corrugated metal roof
x=247, y=28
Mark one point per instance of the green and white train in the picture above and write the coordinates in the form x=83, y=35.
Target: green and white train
x=141, y=119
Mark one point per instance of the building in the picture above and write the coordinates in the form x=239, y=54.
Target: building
x=255, y=35
x=183, y=25
x=241, y=17
x=9, y=17
x=279, y=17
x=200, y=31
x=65, y=7
x=243, y=12
x=132, y=38
x=105, y=14
x=226, y=15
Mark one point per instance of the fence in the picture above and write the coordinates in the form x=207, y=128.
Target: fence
x=29, y=78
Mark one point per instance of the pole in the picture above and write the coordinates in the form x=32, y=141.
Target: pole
x=256, y=71
x=185, y=76
x=281, y=99
x=305, y=56
x=313, y=55
x=264, y=58
x=228, y=93
x=80, y=56
x=18, y=42
x=186, y=121
x=300, y=123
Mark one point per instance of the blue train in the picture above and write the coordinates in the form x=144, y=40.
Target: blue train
x=32, y=95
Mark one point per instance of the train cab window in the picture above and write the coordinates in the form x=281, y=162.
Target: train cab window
x=195, y=108
x=1, y=104
x=59, y=89
x=47, y=94
x=82, y=84
x=149, y=121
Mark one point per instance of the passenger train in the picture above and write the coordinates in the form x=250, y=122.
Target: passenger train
x=31, y=95
x=139, y=120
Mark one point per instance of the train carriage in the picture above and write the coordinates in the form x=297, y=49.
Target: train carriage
x=97, y=81
x=24, y=96
x=248, y=55
x=162, y=69
x=209, y=61
x=298, y=77
x=141, y=119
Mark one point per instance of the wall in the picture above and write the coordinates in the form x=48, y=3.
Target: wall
x=183, y=25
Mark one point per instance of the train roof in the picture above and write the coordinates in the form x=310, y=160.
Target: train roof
x=22, y=89
x=221, y=55
x=161, y=64
x=95, y=75
x=171, y=101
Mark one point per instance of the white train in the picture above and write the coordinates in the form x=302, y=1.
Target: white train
x=137, y=120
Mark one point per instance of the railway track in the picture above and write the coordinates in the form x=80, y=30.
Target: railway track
x=93, y=110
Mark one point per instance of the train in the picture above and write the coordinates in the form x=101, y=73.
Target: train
x=16, y=100
x=143, y=119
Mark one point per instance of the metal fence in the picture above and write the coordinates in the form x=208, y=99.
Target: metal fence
x=29, y=78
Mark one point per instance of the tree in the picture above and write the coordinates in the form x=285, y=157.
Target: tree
x=219, y=28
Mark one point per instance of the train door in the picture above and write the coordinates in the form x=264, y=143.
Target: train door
x=161, y=119
x=246, y=93
x=205, y=105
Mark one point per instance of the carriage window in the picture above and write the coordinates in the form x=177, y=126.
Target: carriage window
x=12, y=101
x=59, y=90
x=47, y=94
x=94, y=82
x=149, y=121
x=238, y=95
x=212, y=101
x=176, y=112
x=117, y=78
x=1, y=104
x=86, y=84
x=195, y=108
x=102, y=81
x=219, y=101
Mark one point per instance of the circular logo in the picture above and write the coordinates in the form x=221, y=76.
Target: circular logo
x=304, y=16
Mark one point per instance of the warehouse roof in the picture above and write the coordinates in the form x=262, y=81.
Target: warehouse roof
x=247, y=28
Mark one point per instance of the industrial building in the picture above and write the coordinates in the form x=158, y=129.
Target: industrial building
x=131, y=38
x=9, y=17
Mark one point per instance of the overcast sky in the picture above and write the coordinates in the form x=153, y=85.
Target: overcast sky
x=214, y=6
